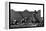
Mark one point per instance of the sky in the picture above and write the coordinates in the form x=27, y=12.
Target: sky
x=22, y=7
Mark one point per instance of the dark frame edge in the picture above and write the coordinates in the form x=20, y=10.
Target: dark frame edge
x=9, y=15
x=26, y=3
x=43, y=12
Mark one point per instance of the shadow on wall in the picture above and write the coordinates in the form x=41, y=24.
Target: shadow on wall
x=6, y=15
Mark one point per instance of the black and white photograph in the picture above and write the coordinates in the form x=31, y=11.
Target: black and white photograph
x=26, y=15
x=22, y=15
